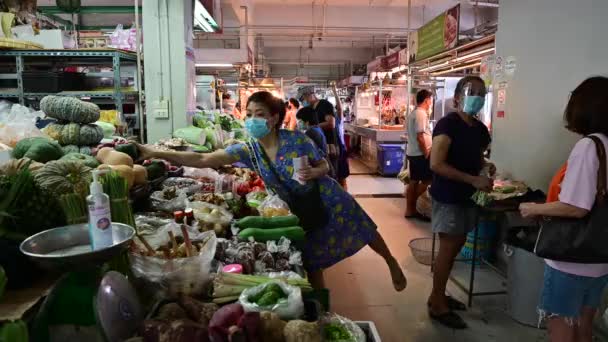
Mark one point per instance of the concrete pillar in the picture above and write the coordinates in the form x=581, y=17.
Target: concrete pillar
x=169, y=70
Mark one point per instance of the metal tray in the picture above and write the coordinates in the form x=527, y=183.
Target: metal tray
x=65, y=248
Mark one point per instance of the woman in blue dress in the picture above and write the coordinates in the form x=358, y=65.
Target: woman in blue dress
x=348, y=228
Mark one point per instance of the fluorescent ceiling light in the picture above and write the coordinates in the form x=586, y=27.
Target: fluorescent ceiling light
x=214, y=65
x=468, y=66
x=484, y=4
x=203, y=19
x=474, y=54
x=434, y=67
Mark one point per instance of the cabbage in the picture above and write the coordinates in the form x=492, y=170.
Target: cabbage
x=191, y=134
x=108, y=128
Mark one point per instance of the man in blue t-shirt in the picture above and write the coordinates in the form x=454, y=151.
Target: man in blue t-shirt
x=457, y=158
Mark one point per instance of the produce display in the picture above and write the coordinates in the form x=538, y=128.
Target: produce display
x=217, y=254
x=74, y=126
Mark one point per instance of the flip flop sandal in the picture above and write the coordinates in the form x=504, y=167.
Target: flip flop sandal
x=449, y=319
x=453, y=304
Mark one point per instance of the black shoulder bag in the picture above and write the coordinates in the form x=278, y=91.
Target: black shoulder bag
x=579, y=240
x=306, y=205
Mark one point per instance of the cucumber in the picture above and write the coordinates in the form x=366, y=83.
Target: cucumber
x=268, y=222
x=273, y=234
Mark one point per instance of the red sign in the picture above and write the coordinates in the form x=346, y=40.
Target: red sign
x=391, y=61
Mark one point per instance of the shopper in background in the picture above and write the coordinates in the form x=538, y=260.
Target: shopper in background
x=290, y=121
x=348, y=228
x=457, y=158
x=309, y=125
x=343, y=170
x=418, y=151
x=572, y=291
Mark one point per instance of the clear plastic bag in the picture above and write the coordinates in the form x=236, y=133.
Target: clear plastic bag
x=170, y=277
x=211, y=217
x=188, y=185
x=195, y=173
x=124, y=39
x=356, y=333
x=17, y=122
x=256, y=198
x=273, y=206
x=288, y=308
x=158, y=202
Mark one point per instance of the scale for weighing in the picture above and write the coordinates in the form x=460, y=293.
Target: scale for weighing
x=85, y=304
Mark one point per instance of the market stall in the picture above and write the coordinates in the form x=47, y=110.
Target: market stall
x=168, y=254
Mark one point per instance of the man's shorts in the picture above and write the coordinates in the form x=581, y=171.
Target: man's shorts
x=454, y=219
x=420, y=169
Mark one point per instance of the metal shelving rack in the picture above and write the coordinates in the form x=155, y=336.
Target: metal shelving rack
x=115, y=58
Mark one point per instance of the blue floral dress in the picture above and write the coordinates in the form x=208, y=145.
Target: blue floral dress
x=349, y=228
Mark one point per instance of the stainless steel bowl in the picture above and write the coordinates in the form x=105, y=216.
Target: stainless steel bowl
x=69, y=247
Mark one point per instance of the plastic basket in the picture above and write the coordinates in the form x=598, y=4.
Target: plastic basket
x=422, y=249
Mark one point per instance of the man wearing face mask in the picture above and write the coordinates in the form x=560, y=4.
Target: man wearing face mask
x=457, y=158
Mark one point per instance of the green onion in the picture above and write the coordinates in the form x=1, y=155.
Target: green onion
x=74, y=208
x=115, y=186
x=227, y=286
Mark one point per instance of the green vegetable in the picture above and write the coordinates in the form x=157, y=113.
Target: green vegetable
x=505, y=189
x=211, y=137
x=53, y=130
x=156, y=170
x=39, y=149
x=115, y=186
x=267, y=222
x=272, y=234
x=199, y=120
x=336, y=332
x=90, y=134
x=82, y=158
x=201, y=149
x=209, y=145
x=70, y=149
x=129, y=148
x=225, y=123
x=269, y=298
x=64, y=176
x=14, y=332
x=107, y=128
x=74, y=208
x=85, y=150
x=69, y=109
x=70, y=134
x=191, y=134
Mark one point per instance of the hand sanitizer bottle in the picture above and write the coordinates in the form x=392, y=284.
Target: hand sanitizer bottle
x=100, y=215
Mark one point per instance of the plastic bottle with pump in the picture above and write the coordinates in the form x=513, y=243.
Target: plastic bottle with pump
x=100, y=215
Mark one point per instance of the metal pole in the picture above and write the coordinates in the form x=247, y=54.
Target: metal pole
x=138, y=78
x=409, y=69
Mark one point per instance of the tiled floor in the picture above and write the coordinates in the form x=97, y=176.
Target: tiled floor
x=361, y=288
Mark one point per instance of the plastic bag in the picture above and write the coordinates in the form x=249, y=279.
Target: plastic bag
x=288, y=308
x=255, y=198
x=124, y=39
x=209, y=174
x=17, y=122
x=188, y=185
x=332, y=320
x=424, y=205
x=211, y=215
x=273, y=206
x=170, y=277
x=158, y=201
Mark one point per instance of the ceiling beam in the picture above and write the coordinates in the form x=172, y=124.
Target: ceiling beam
x=91, y=10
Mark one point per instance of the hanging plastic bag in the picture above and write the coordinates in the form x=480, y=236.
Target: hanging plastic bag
x=274, y=296
x=171, y=277
x=188, y=185
x=273, y=206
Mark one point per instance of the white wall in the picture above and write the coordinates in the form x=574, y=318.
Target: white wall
x=557, y=43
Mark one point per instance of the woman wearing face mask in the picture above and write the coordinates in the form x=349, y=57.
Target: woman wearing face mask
x=346, y=228
x=457, y=158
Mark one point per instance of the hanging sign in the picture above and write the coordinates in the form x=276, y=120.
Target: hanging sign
x=374, y=65
x=391, y=61
x=436, y=36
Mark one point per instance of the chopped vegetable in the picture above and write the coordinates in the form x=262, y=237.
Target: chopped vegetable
x=336, y=332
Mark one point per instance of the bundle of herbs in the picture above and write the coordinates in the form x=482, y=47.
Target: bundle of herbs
x=116, y=187
x=74, y=208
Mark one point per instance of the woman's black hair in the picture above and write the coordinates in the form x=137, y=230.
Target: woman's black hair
x=587, y=109
x=463, y=81
x=308, y=115
x=273, y=104
x=295, y=103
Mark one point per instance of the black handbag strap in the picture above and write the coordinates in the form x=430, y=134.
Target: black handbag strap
x=602, y=191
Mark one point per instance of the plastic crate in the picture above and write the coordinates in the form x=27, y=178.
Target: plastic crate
x=390, y=159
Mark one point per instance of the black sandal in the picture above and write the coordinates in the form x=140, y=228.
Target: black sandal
x=453, y=304
x=450, y=319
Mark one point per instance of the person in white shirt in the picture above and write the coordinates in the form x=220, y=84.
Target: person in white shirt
x=418, y=151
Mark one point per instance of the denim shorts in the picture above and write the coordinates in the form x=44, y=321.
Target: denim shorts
x=453, y=219
x=565, y=294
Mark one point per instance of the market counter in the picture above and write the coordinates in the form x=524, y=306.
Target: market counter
x=369, y=139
